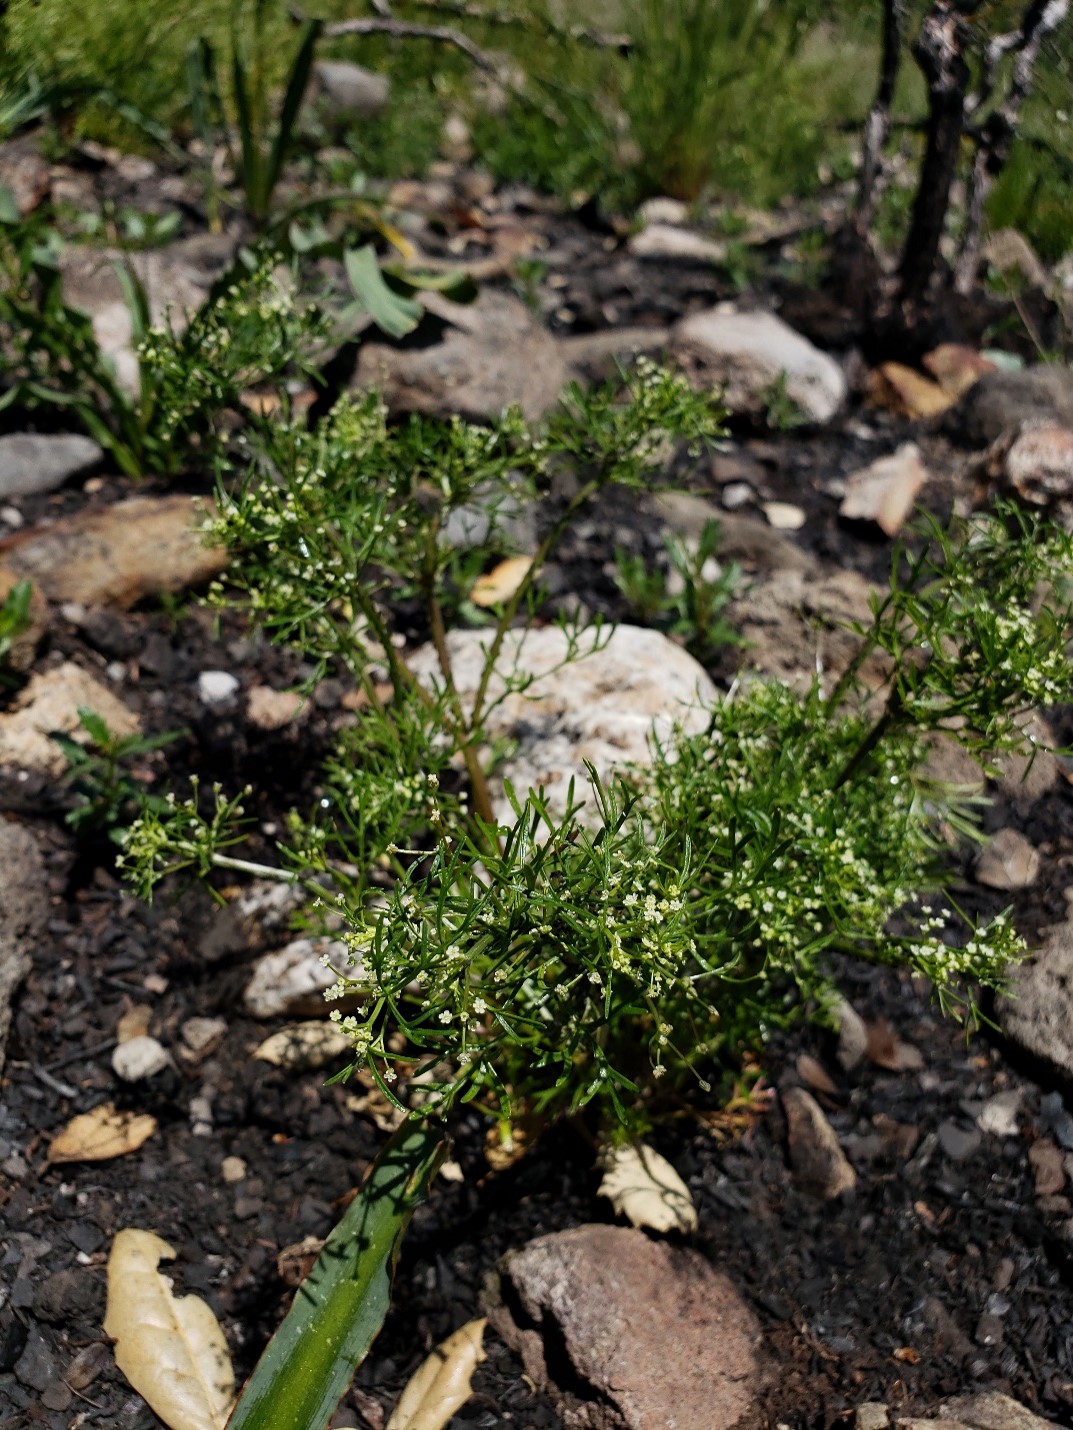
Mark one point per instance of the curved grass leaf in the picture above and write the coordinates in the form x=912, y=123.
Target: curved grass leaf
x=341, y=1305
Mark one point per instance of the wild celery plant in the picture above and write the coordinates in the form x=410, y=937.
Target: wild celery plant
x=552, y=962
x=560, y=960
x=251, y=330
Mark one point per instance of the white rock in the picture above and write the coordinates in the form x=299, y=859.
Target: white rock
x=664, y=240
x=50, y=702
x=33, y=462
x=233, y=1169
x=602, y=707
x=304, y=1046
x=784, y=516
x=852, y=1035
x=139, y=1058
x=735, y=495
x=749, y=352
x=294, y=978
x=1037, y=1015
x=663, y=210
x=884, y=492
x=998, y=1116
x=216, y=687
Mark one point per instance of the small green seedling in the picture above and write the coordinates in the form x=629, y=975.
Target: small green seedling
x=101, y=775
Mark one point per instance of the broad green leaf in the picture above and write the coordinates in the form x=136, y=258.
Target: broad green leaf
x=340, y=1307
x=393, y=313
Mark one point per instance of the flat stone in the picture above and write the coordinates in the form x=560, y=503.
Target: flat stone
x=752, y=543
x=784, y=515
x=493, y=355
x=1037, y=1015
x=663, y=209
x=294, y=978
x=664, y=240
x=116, y=555
x=884, y=493
x=872, y=1415
x=1039, y=465
x=50, y=703
x=32, y=462
x=748, y=353
x=994, y=1411
x=819, y=1164
x=349, y=90
x=201, y=1035
x=1007, y=861
x=1027, y=778
x=24, y=906
x=597, y=356
x=1003, y=402
x=601, y=707
x=648, y=1335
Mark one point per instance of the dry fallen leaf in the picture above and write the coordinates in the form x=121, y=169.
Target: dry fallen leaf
x=499, y=584
x=99, y=1135
x=955, y=367
x=645, y=1188
x=304, y=1045
x=295, y=1262
x=172, y=1350
x=441, y=1384
x=134, y=1023
x=903, y=389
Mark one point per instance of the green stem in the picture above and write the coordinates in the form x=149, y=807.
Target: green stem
x=890, y=716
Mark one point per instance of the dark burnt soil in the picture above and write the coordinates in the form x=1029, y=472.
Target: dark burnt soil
x=942, y=1272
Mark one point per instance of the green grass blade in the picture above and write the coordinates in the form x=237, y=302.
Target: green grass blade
x=292, y=102
x=394, y=313
x=341, y=1305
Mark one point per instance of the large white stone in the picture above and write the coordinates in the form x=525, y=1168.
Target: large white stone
x=294, y=978
x=748, y=353
x=602, y=707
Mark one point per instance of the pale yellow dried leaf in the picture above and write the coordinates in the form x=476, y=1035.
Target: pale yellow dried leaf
x=645, y=1189
x=102, y=1134
x=304, y=1045
x=499, y=584
x=134, y=1023
x=441, y=1384
x=171, y=1349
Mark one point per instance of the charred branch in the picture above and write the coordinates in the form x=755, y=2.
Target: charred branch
x=877, y=127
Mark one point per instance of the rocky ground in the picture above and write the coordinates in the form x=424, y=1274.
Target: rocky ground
x=885, y=1223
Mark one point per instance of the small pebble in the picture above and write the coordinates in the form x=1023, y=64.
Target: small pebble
x=784, y=516
x=139, y=1058
x=11, y=516
x=736, y=494
x=199, y=1034
x=216, y=687
x=957, y=1142
x=233, y=1169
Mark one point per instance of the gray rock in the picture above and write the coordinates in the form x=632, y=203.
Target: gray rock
x=750, y=542
x=294, y=979
x=37, y=1367
x=596, y=355
x=1007, y=401
x=1007, y=861
x=665, y=240
x=993, y=1411
x=491, y=518
x=959, y=1143
x=646, y=1334
x=140, y=1058
x=852, y=1036
x=1037, y=1014
x=819, y=1163
x=492, y=356
x=217, y=687
x=33, y=462
x=748, y=353
x=602, y=707
x=350, y=90
x=23, y=913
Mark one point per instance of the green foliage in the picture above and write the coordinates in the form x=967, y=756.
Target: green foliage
x=688, y=599
x=249, y=331
x=100, y=775
x=14, y=620
x=615, y=954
